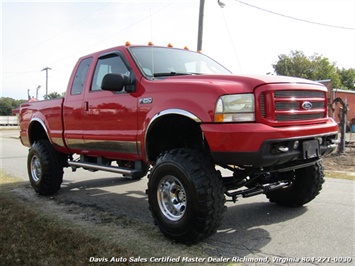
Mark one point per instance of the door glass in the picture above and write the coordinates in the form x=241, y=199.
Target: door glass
x=105, y=66
x=80, y=77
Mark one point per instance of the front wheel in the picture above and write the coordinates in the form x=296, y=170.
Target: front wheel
x=186, y=196
x=45, y=168
x=306, y=185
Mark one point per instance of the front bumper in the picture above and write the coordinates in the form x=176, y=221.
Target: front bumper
x=259, y=145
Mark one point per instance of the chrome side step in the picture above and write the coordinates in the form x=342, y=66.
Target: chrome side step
x=112, y=169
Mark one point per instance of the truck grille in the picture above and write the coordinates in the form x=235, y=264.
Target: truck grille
x=299, y=94
x=292, y=105
x=284, y=106
x=298, y=117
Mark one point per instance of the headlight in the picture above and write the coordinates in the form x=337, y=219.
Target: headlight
x=235, y=108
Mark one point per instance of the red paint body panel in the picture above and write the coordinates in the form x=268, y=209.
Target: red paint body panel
x=49, y=113
x=249, y=137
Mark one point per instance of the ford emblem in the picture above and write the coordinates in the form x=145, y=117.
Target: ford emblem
x=306, y=105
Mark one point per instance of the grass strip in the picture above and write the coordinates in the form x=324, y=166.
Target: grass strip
x=339, y=175
x=30, y=237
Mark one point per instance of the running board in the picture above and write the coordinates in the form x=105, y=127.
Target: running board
x=112, y=169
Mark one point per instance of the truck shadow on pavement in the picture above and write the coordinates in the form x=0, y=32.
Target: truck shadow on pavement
x=123, y=197
x=243, y=228
x=240, y=234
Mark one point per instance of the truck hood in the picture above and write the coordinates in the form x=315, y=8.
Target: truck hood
x=229, y=84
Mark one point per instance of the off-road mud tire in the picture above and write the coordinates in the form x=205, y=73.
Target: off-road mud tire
x=45, y=168
x=306, y=185
x=191, y=177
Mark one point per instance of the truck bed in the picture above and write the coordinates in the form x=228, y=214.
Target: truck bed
x=48, y=113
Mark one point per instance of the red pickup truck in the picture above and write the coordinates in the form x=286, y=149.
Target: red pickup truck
x=176, y=115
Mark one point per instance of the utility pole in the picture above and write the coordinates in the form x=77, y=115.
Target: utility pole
x=46, y=69
x=200, y=25
x=200, y=22
x=39, y=86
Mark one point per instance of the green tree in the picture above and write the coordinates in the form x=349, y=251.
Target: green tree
x=315, y=67
x=295, y=65
x=7, y=104
x=347, y=78
x=53, y=95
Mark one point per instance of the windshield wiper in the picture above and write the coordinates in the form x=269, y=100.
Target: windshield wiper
x=168, y=74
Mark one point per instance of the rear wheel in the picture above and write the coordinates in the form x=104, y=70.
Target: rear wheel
x=306, y=185
x=186, y=196
x=45, y=168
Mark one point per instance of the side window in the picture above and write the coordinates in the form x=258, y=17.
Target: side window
x=112, y=64
x=80, y=77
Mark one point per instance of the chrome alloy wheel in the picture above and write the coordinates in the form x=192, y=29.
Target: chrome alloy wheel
x=36, y=169
x=171, y=198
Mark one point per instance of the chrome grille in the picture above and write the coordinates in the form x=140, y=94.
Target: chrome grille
x=299, y=94
x=293, y=105
x=283, y=106
x=297, y=117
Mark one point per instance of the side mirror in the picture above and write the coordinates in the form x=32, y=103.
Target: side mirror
x=114, y=82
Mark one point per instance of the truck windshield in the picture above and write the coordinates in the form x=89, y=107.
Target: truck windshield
x=162, y=61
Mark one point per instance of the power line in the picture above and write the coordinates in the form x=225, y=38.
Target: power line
x=134, y=23
x=55, y=35
x=231, y=39
x=298, y=19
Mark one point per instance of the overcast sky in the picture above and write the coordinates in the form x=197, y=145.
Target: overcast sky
x=245, y=36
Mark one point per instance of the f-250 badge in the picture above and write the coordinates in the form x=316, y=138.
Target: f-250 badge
x=146, y=100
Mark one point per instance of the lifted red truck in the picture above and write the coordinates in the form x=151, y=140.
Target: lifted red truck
x=177, y=114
